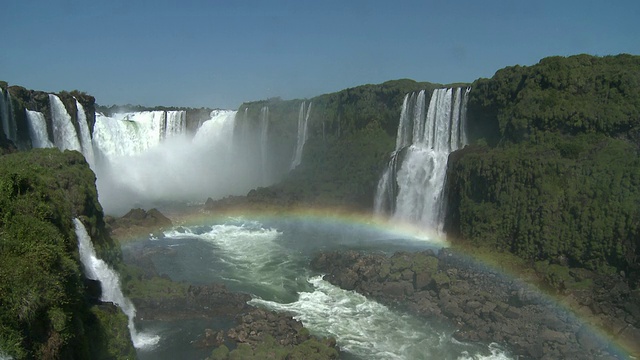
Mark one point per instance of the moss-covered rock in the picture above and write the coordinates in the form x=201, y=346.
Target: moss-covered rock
x=45, y=310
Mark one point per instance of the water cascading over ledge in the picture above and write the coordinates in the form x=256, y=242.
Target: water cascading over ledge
x=303, y=121
x=412, y=185
x=7, y=120
x=97, y=269
x=264, y=144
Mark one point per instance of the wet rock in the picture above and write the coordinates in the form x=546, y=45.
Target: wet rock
x=484, y=306
x=200, y=301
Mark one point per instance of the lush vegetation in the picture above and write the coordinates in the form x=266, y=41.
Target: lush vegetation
x=45, y=309
x=350, y=136
x=561, y=182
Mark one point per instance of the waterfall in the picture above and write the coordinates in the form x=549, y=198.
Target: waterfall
x=65, y=136
x=264, y=133
x=303, y=120
x=133, y=133
x=217, y=130
x=175, y=123
x=85, y=135
x=38, y=130
x=9, y=125
x=97, y=269
x=137, y=167
x=412, y=186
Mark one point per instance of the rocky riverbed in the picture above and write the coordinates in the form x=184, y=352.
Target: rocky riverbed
x=485, y=306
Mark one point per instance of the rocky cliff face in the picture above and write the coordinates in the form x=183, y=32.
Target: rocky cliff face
x=350, y=136
x=483, y=305
x=23, y=99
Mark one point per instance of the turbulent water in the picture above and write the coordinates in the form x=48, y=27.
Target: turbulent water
x=412, y=186
x=269, y=259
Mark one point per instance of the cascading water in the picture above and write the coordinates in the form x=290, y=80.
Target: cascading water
x=65, y=136
x=133, y=133
x=139, y=168
x=264, y=133
x=175, y=123
x=97, y=269
x=9, y=125
x=412, y=186
x=38, y=130
x=303, y=120
x=85, y=135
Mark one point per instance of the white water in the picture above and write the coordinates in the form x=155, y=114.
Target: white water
x=175, y=123
x=138, y=168
x=38, y=130
x=264, y=138
x=303, y=120
x=217, y=130
x=85, y=135
x=132, y=133
x=368, y=329
x=412, y=186
x=251, y=253
x=97, y=269
x=65, y=136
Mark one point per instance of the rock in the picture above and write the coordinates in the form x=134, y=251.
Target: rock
x=199, y=301
x=398, y=289
x=553, y=336
x=423, y=280
x=588, y=340
x=481, y=305
x=630, y=339
x=347, y=279
x=512, y=313
x=138, y=222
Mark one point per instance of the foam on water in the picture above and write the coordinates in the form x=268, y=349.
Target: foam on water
x=370, y=330
x=251, y=254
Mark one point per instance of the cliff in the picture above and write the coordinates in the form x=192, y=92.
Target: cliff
x=48, y=310
x=18, y=99
x=553, y=175
x=349, y=138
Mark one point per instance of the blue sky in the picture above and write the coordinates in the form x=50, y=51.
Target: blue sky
x=221, y=53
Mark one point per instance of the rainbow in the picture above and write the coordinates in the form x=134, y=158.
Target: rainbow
x=339, y=216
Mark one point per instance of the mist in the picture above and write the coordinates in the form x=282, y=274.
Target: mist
x=177, y=168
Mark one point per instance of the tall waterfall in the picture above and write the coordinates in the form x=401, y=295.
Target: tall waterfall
x=133, y=133
x=65, y=136
x=303, y=119
x=85, y=135
x=9, y=125
x=412, y=186
x=97, y=269
x=175, y=123
x=264, y=137
x=38, y=130
x=147, y=158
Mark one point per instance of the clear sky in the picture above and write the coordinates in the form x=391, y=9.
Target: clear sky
x=220, y=53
